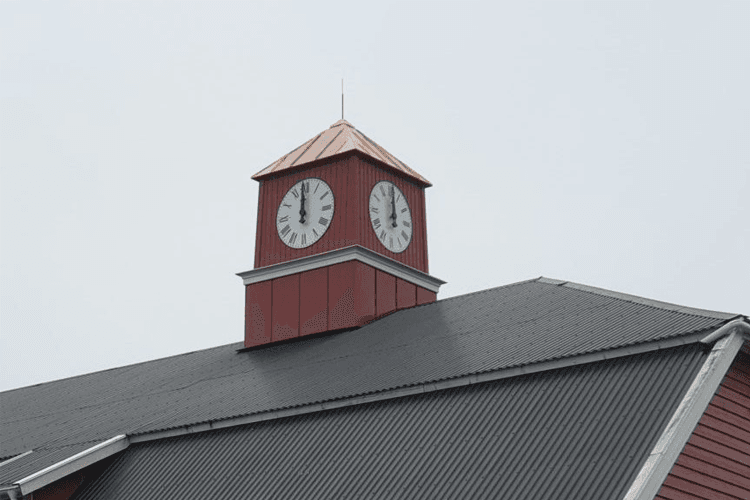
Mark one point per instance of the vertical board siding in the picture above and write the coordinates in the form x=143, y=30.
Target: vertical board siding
x=258, y=313
x=351, y=178
x=313, y=301
x=344, y=295
x=425, y=296
x=341, y=295
x=406, y=294
x=385, y=285
x=715, y=462
x=285, y=307
x=364, y=292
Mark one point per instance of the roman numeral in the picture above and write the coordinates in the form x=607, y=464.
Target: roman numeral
x=390, y=241
x=382, y=190
x=326, y=207
x=323, y=221
x=315, y=232
x=304, y=239
x=283, y=219
x=316, y=187
x=375, y=196
x=404, y=236
x=404, y=209
x=382, y=235
x=375, y=210
x=398, y=240
x=376, y=223
x=285, y=230
x=293, y=238
x=325, y=194
x=286, y=205
x=406, y=223
x=295, y=193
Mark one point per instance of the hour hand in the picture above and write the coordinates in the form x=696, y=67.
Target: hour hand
x=302, y=212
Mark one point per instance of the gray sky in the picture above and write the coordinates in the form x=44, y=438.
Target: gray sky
x=606, y=143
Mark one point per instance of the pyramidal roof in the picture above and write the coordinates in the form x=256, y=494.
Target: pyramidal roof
x=341, y=137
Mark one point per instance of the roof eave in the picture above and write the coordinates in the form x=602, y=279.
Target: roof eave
x=260, y=176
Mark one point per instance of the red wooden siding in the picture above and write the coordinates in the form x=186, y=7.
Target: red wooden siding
x=715, y=463
x=258, y=313
x=385, y=285
x=343, y=295
x=285, y=307
x=313, y=305
x=351, y=178
x=406, y=294
x=62, y=489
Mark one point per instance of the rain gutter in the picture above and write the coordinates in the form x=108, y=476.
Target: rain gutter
x=49, y=475
x=731, y=337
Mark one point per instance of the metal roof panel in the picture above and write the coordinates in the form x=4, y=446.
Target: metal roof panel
x=491, y=330
x=577, y=432
x=341, y=137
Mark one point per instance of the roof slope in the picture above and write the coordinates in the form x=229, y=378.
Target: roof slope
x=578, y=432
x=511, y=326
x=341, y=137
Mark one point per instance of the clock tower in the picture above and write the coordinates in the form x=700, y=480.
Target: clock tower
x=341, y=239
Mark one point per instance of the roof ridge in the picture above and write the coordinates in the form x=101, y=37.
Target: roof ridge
x=486, y=290
x=636, y=299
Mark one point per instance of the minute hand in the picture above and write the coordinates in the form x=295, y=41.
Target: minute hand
x=393, y=209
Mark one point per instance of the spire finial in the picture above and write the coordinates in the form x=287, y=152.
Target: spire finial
x=342, y=98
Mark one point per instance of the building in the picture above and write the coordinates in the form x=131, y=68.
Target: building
x=354, y=381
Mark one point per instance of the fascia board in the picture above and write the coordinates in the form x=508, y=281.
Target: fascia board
x=72, y=464
x=354, y=252
x=676, y=434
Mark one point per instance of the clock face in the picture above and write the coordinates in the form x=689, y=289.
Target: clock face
x=305, y=213
x=390, y=216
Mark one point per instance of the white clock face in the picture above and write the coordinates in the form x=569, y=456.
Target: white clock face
x=305, y=213
x=390, y=216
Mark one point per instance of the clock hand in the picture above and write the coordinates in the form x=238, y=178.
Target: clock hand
x=302, y=205
x=393, y=208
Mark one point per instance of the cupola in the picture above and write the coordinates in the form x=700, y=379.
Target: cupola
x=341, y=239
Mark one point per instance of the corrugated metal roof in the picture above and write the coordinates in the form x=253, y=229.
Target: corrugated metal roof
x=341, y=137
x=578, y=432
x=37, y=460
x=491, y=330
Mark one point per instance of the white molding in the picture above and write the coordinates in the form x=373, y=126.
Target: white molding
x=654, y=472
x=71, y=464
x=738, y=325
x=354, y=252
x=418, y=389
x=13, y=459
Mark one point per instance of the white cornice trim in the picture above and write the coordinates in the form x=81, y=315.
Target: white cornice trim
x=13, y=459
x=737, y=325
x=71, y=464
x=420, y=388
x=354, y=252
x=682, y=424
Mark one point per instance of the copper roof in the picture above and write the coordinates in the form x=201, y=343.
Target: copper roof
x=341, y=137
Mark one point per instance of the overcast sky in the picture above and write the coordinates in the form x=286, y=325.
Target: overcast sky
x=606, y=143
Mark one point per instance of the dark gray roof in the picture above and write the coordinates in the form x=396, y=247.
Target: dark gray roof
x=579, y=432
x=511, y=326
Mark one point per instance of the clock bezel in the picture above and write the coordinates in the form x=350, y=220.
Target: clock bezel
x=408, y=206
x=280, y=227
